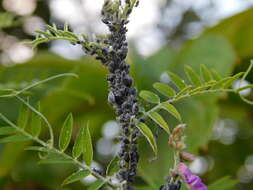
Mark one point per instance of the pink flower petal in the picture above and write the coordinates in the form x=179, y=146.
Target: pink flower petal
x=192, y=181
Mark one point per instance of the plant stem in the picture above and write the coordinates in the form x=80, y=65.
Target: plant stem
x=15, y=93
x=112, y=52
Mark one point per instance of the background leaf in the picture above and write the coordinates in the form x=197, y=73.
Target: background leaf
x=225, y=183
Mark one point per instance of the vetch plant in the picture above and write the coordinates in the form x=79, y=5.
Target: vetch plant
x=111, y=50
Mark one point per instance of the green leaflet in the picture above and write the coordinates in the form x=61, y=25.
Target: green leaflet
x=97, y=185
x=46, y=34
x=177, y=80
x=52, y=29
x=7, y=130
x=148, y=135
x=205, y=73
x=71, y=35
x=199, y=89
x=88, y=149
x=150, y=97
x=5, y=92
x=184, y=91
x=233, y=79
x=76, y=177
x=172, y=110
x=221, y=83
x=23, y=116
x=16, y=138
x=66, y=133
x=157, y=118
x=40, y=149
x=215, y=75
x=192, y=76
x=164, y=89
x=39, y=41
x=36, y=123
x=113, y=167
x=79, y=145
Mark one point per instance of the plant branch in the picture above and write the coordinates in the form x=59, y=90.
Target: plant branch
x=55, y=150
x=176, y=99
x=15, y=93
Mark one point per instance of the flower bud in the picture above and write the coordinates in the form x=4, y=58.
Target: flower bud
x=187, y=157
x=180, y=145
x=178, y=131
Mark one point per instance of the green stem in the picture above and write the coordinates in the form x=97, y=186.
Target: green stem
x=38, y=83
